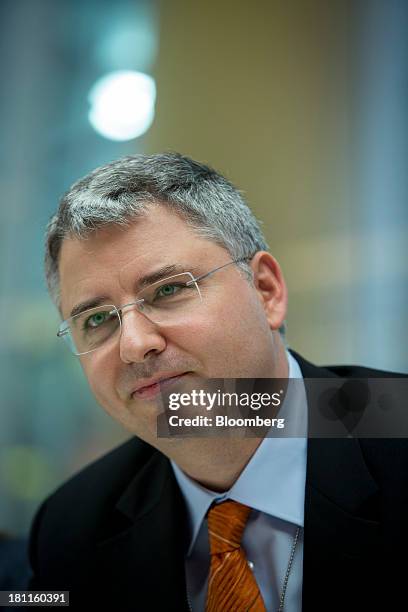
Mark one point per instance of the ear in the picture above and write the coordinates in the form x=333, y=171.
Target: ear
x=271, y=287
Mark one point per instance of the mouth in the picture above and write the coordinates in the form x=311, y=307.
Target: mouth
x=151, y=391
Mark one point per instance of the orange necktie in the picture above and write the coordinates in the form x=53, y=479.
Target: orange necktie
x=231, y=583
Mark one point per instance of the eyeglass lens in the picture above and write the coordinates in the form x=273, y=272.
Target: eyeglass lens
x=167, y=301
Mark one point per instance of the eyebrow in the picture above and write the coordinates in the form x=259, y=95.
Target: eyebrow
x=143, y=282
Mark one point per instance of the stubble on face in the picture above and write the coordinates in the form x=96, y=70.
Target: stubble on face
x=229, y=336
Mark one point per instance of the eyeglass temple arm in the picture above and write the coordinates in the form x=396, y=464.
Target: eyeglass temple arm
x=194, y=280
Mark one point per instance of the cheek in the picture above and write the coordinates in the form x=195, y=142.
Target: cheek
x=230, y=340
x=100, y=375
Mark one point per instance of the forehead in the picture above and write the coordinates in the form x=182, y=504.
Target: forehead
x=109, y=259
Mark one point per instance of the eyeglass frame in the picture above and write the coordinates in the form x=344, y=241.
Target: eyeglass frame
x=63, y=332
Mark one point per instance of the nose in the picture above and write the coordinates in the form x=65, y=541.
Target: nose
x=140, y=337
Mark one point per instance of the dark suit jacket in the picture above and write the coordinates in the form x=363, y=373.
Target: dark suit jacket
x=115, y=534
x=14, y=566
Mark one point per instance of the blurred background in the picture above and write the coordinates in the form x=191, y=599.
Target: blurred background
x=303, y=105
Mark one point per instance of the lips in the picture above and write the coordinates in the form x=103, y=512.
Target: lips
x=150, y=391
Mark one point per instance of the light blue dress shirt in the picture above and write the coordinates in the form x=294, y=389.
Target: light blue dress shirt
x=273, y=484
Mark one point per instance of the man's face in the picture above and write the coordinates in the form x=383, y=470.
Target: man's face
x=226, y=336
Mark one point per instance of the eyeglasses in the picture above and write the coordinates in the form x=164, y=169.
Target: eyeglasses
x=168, y=301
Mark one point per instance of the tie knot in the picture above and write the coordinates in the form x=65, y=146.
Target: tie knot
x=226, y=524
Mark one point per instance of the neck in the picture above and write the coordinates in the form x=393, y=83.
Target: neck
x=217, y=463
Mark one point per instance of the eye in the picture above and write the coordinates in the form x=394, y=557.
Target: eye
x=168, y=290
x=96, y=320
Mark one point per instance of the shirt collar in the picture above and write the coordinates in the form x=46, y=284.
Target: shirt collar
x=283, y=460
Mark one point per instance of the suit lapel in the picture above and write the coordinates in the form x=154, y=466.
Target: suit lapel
x=145, y=559
x=339, y=532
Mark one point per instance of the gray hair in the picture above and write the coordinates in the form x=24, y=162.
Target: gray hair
x=122, y=190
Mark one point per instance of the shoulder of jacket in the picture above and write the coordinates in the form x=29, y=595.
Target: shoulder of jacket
x=358, y=371
x=95, y=489
x=71, y=520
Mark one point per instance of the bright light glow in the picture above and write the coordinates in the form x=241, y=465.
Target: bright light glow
x=122, y=104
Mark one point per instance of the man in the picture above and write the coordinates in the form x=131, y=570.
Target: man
x=162, y=278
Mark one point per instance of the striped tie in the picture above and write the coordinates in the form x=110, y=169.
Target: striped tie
x=231, y=584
